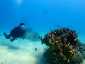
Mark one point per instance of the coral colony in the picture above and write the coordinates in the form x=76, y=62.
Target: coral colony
x=63, y=46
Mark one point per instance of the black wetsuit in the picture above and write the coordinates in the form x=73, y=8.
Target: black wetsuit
x=17, y=32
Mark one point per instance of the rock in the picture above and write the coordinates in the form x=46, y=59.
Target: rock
x=63, y=47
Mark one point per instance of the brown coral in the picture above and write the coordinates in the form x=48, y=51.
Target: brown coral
x=62, y=45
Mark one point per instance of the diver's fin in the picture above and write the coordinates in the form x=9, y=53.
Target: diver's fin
x=6, y=36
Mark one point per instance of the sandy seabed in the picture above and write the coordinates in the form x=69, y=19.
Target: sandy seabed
x=21, y=51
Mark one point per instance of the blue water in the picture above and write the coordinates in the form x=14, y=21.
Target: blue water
x=43, y=15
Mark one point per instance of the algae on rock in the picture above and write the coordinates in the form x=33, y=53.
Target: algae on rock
x=62, y=47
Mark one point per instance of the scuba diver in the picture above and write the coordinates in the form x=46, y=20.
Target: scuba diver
x=17, y=32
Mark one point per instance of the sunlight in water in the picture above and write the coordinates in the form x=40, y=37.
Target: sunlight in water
x=19, y=2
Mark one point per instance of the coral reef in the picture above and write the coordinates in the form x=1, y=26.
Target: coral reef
x=63, y=45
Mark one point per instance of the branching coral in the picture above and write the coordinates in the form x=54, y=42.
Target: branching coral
x=63, y=44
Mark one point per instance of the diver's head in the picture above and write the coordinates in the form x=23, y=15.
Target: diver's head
x=22, y=25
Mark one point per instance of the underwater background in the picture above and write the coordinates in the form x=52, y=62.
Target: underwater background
x=41, y=16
